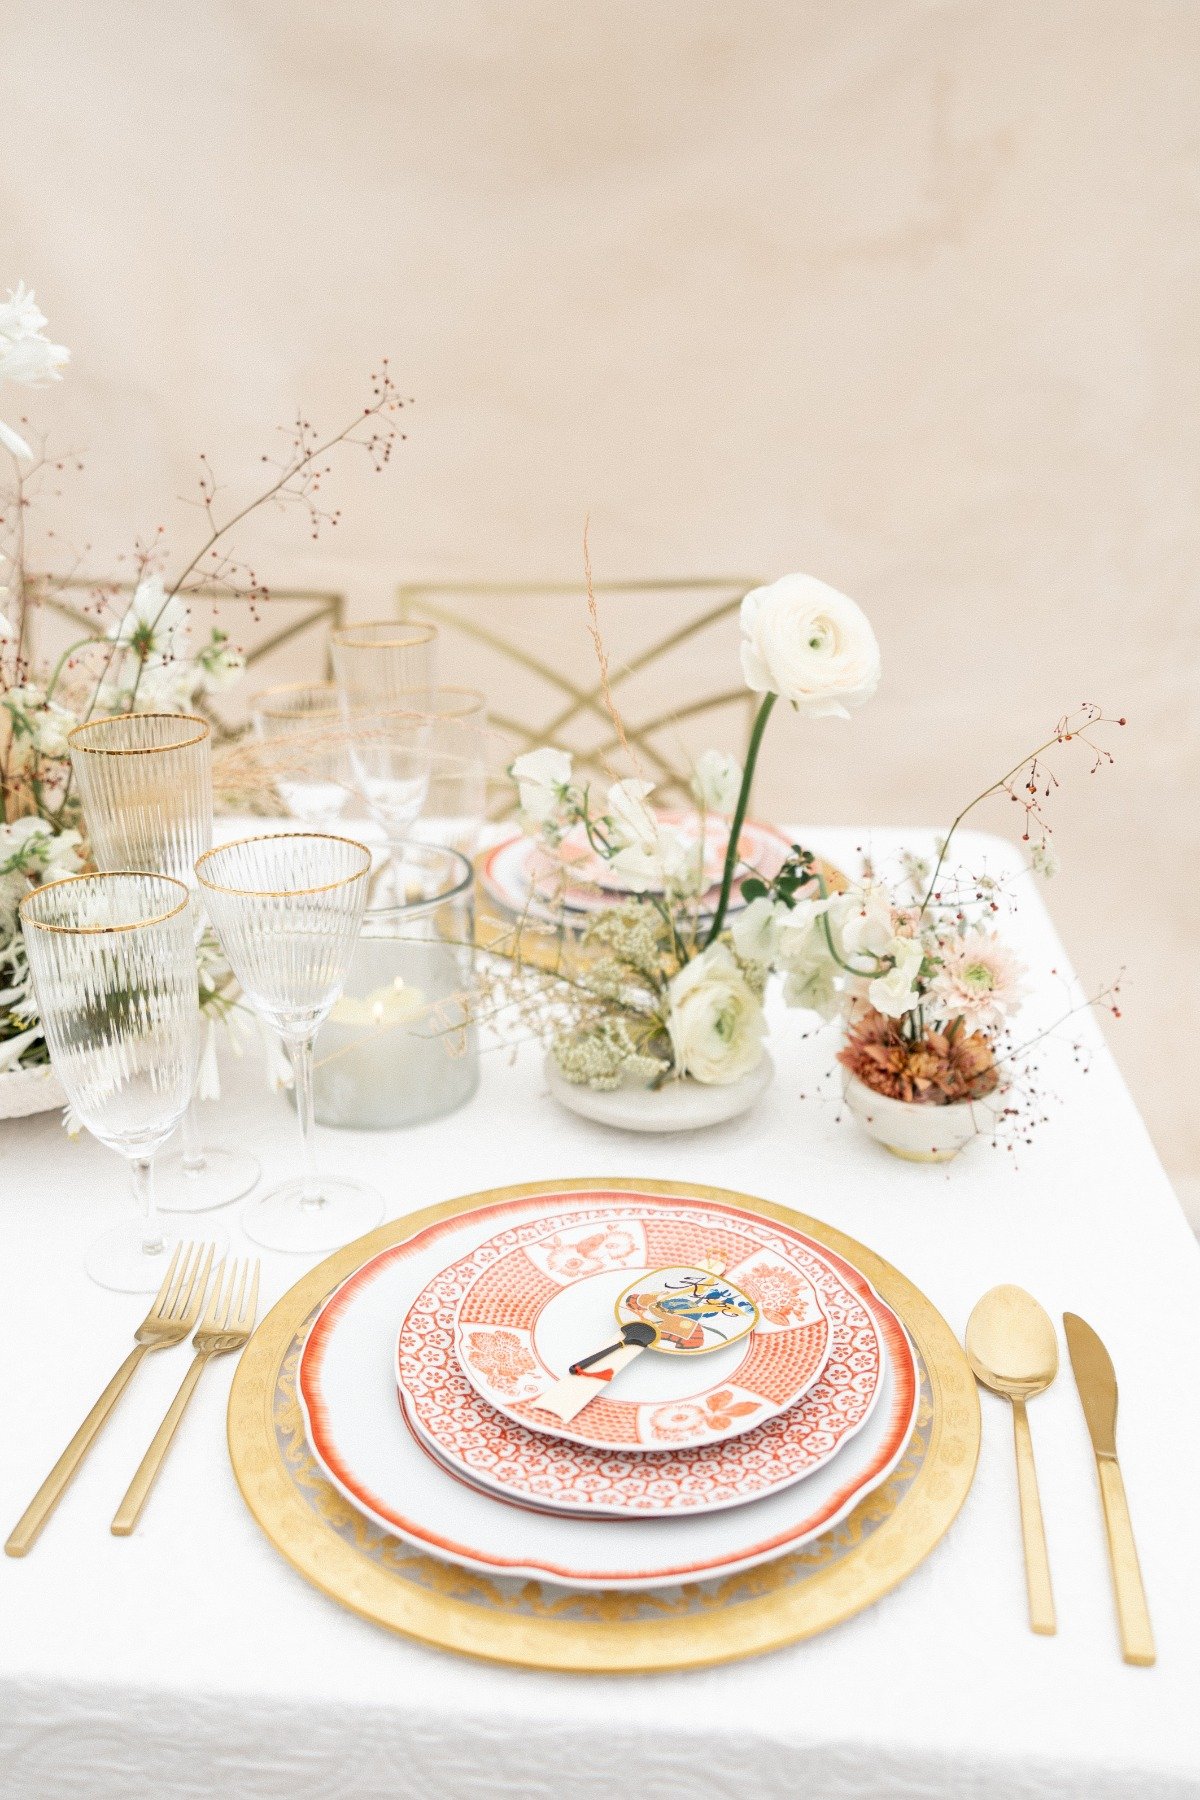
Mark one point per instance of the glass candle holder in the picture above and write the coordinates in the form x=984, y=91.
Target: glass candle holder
x=399, y=1046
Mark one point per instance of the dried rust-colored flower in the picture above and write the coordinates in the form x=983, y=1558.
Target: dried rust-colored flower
x=937, y=1069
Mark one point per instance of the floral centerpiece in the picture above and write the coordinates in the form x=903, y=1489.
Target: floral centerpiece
x=138, y=653
x=666, y=987
x=917, y=973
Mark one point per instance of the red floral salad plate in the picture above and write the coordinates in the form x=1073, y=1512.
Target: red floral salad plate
x=526, y=1305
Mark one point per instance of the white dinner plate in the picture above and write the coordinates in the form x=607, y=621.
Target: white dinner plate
x=348, y=1395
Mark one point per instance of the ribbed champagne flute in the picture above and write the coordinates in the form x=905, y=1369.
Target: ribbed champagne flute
x=376, y=660
x=288, y=909
x=145, y=782
x=113, y=960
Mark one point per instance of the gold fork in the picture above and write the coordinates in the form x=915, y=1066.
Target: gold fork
x=225, y=1326
x=168, y=1322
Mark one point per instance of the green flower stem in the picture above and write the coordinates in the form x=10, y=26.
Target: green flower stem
x=739, y=817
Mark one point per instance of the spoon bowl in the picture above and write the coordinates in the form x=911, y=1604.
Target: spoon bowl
x=1011, y=1343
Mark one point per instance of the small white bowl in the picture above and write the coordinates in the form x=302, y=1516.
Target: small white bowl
x=919, y=1133
x=676, y=1106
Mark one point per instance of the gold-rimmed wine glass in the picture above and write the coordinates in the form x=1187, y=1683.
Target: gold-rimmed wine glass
x=303, y=739
x=145, y=783
x=113, y=961
x=288, y=908
x=418, y=761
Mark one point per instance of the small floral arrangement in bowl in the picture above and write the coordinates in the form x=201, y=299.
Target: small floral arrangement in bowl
x=662, y=999
x=916, y=971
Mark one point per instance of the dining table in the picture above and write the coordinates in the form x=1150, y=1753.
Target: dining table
x=191, y=1660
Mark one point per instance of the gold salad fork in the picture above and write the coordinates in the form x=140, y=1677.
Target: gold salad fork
x=169, y=1320
x=225, y=1326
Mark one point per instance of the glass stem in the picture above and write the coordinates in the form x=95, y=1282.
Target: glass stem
x=189, y=1133
x=300, y=1049
x=142, y=1169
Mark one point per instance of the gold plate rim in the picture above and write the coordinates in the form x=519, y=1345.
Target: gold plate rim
x=607, y=1645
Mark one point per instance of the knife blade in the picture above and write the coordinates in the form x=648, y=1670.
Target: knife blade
x=1096, y=1380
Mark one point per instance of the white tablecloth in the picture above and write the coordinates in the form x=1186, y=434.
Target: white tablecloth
x=189, y=1660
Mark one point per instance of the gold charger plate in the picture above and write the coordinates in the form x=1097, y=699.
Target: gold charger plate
x=536, y=1625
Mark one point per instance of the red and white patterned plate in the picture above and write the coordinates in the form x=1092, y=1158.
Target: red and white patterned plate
x=682, y=1475
x=524, y=1310
x=521, y=876
x=347, y=1389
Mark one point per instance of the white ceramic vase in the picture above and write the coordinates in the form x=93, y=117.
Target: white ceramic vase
x=918, y=1133
x=27, y=1091
x=676, y=1106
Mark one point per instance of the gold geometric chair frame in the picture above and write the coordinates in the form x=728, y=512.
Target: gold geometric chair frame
x=469, y=608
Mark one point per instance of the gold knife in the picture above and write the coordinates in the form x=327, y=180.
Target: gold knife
x=1096, y=1380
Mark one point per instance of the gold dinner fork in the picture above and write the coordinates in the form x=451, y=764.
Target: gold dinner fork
x=225, y=1326
x=169, y=1320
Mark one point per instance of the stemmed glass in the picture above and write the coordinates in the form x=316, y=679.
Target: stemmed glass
x=288, y=909
x=375, y=661
x=418, y=760
x=145, y=780
x=113, y=959
x=454, y=748
x=300, y=729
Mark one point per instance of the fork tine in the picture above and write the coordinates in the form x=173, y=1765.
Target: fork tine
x=156, y=1311
x=192, y=1299
x=222, y=1318
x=210, y=1317
x=234, y=1310
x=186, y=1274
x=247, y=1314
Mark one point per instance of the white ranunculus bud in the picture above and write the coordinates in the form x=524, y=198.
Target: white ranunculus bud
x=716, y=1023
x=809, y=644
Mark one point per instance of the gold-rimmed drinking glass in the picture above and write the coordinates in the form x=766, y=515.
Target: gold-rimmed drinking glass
x=145, y=783
x=380, y=658
x=303, y=739
x=113, y=961
x=288, y=908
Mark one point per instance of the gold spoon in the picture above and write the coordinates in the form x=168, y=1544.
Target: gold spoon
x=1012, y=1348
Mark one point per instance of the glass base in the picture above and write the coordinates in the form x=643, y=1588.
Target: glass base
x=226, y=1176
x=281, y=1220
x=119, y=1261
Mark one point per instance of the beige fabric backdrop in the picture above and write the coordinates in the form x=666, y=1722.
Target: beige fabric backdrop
x=900, y=293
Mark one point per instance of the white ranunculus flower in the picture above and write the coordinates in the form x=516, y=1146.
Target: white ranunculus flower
x=895, y=993
x=717, y=781
x=809, y=644
x=27, y=357
x=542, y=778
x=716, y=1023
x=864, y=922
x=632, y=820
